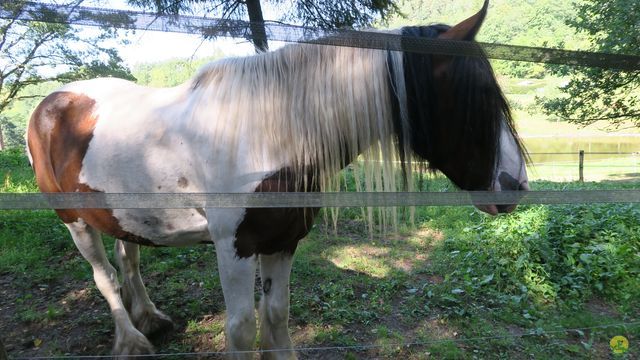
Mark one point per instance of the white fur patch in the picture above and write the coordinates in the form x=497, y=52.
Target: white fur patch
x=510, y=160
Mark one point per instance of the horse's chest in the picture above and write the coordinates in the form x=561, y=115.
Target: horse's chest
x=267, y=231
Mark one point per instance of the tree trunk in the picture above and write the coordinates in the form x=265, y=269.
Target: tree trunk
x=3, y=352
x=258, y=29
x=1, y=146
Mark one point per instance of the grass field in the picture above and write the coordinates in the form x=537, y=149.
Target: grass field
x=457, y=285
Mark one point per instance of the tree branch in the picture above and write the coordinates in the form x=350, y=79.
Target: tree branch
x=5, y=29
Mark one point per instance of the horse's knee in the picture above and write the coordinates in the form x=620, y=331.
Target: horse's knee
x=241, y=331
x=274, y=313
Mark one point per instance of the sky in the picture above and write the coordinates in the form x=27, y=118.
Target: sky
x=154, y=46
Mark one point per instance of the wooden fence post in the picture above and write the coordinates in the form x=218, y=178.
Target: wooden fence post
x=581, y=166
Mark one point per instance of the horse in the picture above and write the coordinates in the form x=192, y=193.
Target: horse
x=283, y=121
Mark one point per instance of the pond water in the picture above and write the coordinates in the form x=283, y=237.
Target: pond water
x=556, y=149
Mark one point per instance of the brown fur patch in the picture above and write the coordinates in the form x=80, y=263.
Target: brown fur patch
x=272, y=230
x=60, y=131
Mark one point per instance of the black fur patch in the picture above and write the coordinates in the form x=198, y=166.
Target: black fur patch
x=266, y=286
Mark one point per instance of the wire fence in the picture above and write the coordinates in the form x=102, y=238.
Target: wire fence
x=584, y=165
x=361, y=347
x=211, y=27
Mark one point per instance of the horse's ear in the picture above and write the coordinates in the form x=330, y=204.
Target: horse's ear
x=467, y=29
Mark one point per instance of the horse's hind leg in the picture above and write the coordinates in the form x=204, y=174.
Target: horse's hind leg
x=129, y=341
x=146, y=318
x=275, y=271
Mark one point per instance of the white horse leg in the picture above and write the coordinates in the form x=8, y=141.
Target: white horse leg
x=237, y=276
x=129, y=341
x=144, y=314
x=275, y=271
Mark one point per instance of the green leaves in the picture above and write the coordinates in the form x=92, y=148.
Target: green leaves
x=322, y=14
x=600, y=94
x=34, y=53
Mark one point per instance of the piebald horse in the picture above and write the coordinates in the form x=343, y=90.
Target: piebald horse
x=288, y=120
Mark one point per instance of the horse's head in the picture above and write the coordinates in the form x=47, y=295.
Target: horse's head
x=457, y=118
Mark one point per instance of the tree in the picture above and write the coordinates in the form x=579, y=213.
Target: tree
x=3, y=352
x=527, y=23
x=594, y=94
x=36, y=52
x=325, y=14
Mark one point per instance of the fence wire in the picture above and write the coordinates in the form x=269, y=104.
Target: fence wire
x=211, y=27
x=97, y=200
x=361, y=347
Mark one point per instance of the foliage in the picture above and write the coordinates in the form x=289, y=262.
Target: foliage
x=595, y=94
x=41, y=51
x=170, y=72
x=323, y=14
x=12, y=134
x=527, y=23
x=545, y=257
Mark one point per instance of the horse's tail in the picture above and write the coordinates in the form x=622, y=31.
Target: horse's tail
x=58, y=136
x=38, y=139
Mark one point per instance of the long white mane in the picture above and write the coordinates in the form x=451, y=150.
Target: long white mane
x=311, y=107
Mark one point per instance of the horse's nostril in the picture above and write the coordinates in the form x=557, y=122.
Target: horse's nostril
x=508, y=182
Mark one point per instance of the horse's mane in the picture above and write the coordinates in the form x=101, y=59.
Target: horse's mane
x=322, y=107
x=316, y=108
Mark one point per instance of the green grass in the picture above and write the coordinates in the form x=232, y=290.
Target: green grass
x=460, y=284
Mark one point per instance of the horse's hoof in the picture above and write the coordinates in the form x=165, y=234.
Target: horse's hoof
x=154, y=323
x=131, y=344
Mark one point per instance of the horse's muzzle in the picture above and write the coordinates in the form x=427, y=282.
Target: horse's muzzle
x=506, y=208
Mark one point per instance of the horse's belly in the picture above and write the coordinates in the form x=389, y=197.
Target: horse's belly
x=165, y=227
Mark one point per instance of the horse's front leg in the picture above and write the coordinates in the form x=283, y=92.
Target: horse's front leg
x=275, y=271
x=237, y=276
